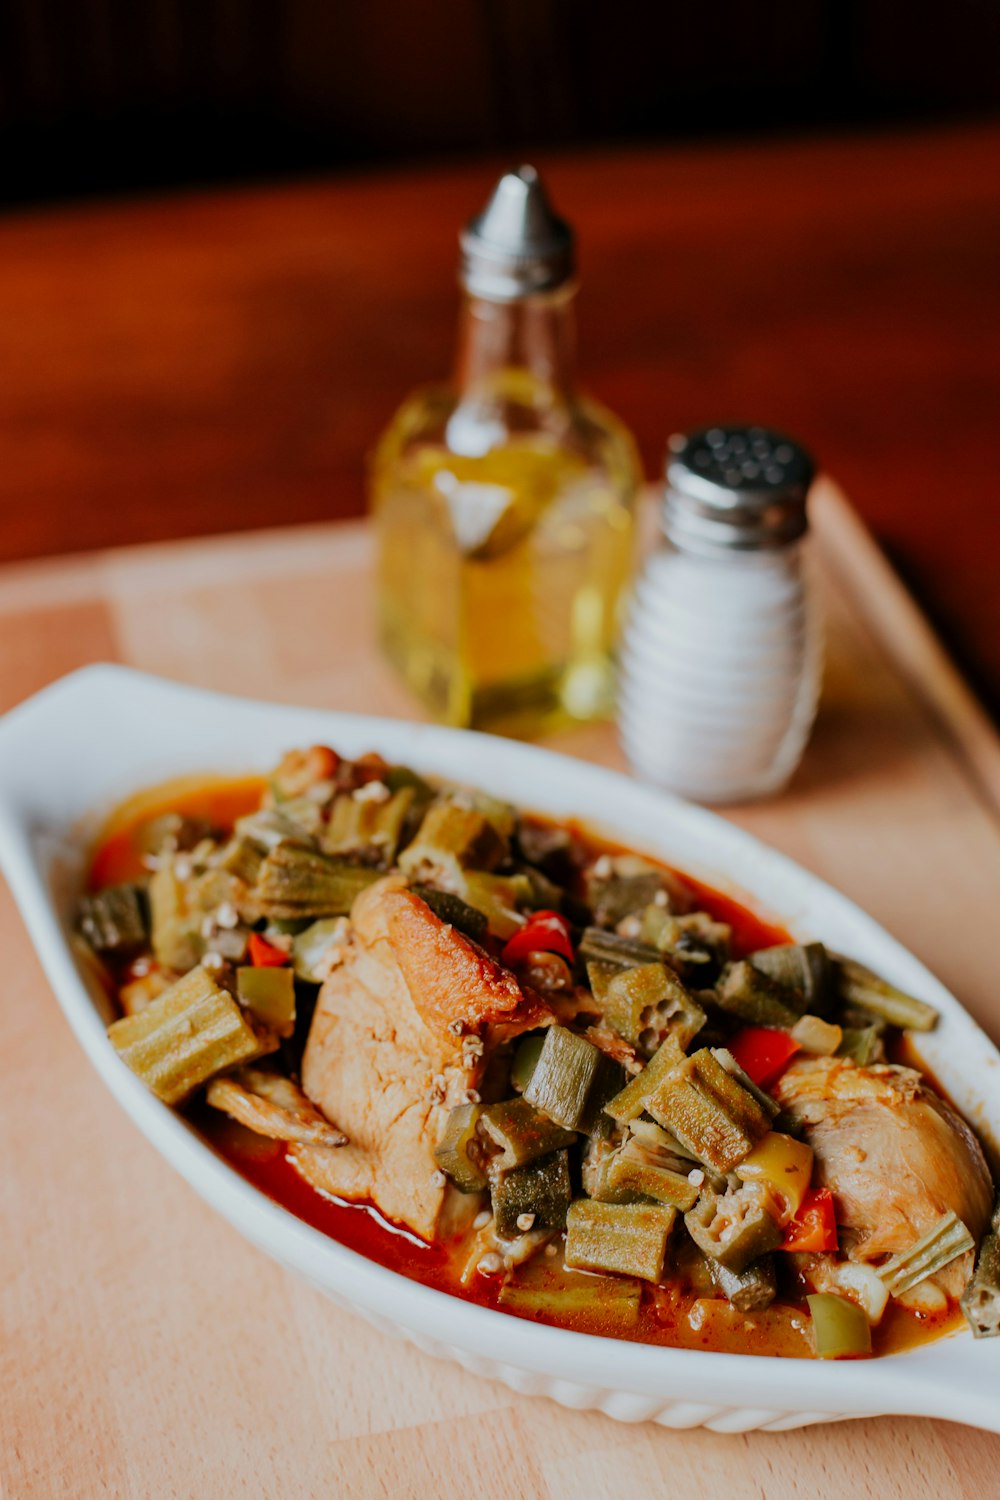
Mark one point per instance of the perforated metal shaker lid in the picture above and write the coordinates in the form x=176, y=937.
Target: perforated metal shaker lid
x=518, y=245
x=735, y=488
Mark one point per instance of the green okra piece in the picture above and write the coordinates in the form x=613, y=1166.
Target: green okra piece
x=184, y=1037
x=453, y=910
x=631, y=1101
x=860, y=988
x=397, y=778
x=636, y=1170
x=267, y=828
x=693, y=942
x=643, y=1003
x=770, y=1106
x=116, y=919
x=451, y=839
x=243, y=858
x=631, y=885
x=311, y=947
x=499, y=898
x=367, y=829
x=803, y=968
x=597, y=1303
x=629, y=1239
x=599, y=946
x=981, y=1298
x=533, y=1197
x=298, y=882
x=932, y=1252
x=175, y=922
x=460, y=1152
x=597, y=1160
x=733, y=1228
x=862, y=1043
x=754, y=997
x=709, y=1111
x=572, y=1080
x=521, y=1132
x=172, y=831
x=529, y=1050
x=749, y=1290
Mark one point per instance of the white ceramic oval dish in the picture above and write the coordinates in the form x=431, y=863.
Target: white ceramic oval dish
x=81, y=746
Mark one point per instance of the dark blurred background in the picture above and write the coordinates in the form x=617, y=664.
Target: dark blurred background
x=228, y=246
x=113, y=96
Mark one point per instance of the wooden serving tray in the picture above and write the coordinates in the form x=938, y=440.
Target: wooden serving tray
x=146, y=1350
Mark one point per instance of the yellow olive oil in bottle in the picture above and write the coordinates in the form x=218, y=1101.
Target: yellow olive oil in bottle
x=504, y=505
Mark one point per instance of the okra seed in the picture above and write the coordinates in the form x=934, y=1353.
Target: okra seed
x=490, y=1264
x=482, y=1219
x=525, y=1222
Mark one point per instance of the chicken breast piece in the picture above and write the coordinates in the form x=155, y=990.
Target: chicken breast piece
x=893, y=1153
x=397, y=1040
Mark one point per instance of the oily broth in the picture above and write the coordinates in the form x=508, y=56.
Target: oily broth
x=671, y=1315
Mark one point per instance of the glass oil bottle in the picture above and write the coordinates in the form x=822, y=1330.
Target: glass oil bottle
x=504, y=505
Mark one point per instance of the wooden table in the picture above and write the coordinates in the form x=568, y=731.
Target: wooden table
x=223, y=360
x=147, y=1352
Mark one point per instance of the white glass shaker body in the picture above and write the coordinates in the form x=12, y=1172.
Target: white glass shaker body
x=720, y=672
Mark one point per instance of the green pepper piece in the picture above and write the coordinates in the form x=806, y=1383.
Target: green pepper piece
x=840, y=1328
x=539, y=1192
x=270, y=994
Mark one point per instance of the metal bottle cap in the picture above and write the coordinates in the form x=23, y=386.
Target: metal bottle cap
x=735, y=488
x=517, y=245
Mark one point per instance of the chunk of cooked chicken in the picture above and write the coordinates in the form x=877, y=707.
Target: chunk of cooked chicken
x=894, y=1154
x=398, y=1039
x=271, y=1105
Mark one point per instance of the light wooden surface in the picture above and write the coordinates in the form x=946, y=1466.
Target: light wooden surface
x=146, y=1351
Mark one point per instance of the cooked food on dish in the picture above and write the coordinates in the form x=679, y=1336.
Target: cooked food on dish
x=505, y=1058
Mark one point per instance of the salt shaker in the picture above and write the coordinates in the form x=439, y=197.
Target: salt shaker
x=721, y=656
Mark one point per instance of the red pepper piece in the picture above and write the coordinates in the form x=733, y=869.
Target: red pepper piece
x=814, y=1227
x=544, y=932
x=763, y=1053
x=264, y=955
